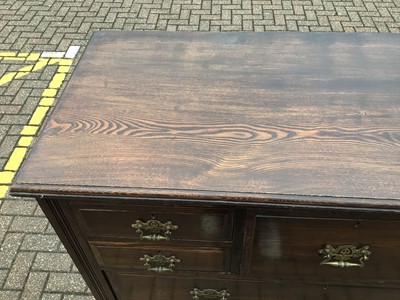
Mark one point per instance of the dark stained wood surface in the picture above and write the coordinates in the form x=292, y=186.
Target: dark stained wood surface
x=288, y=248
x=313, y=114
x=127, y=286
x=123, y=255
x=194, y=224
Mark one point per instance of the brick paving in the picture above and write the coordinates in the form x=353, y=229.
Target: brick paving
x=33, y=262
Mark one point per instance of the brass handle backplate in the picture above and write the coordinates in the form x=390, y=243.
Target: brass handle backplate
x=209, y=294
x=345, y=256
x=159, y=263
x=159, y=231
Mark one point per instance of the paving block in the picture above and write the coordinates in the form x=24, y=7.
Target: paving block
x=59, y=262
x=18, y=207
x=9, y=295
x=34, y=285
x=51, y=296
x=28, y=224
x=41, y=242
x=19, y=271
x=65, y=283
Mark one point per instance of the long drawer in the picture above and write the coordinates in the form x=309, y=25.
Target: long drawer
x=162, y=259
x=129, y=286
x=326, y=250
x=155, y=223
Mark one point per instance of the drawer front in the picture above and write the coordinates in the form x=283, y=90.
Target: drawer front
x=152, y=223
x=128, y=286
x=326, y=250
x=142, y=257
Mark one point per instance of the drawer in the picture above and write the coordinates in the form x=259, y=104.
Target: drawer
x=151, y=222
x=129, y=286
x=135, y=256
x=297, y=248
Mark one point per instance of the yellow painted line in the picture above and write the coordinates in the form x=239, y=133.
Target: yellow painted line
x=7, y=54
x=15, y=159
x=29, y=130
x=63, y=69
x=38, y=115
x=7, y=78
x=49, y=92
x=6, y=177
x=41, y=63
x=20, y=73
x=57, y=81
x=46, y=101
x=19, y=56
x=33, y=56
x=25, y=141
x=14, y=58
x=26, y=69
x=61, y=61
x=3, y=191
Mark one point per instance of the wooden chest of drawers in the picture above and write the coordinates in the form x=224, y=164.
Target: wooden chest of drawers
x=236, y=166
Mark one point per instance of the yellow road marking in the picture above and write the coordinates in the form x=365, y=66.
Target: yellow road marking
x=3, y=191
x=7, y=54
x=7, y=78
x=40, y=64
x=6, y=177
x=33, y=56
x=63, y=69
x=29, y=130
x=19, y=56
x=57, y=81
x=15, y=159
x=15, y=58
x=61, y=61
x=38, y=115
x=25, y=141
x=47, y=100
x=23, y=71
x=26, y=69
x=49, y=92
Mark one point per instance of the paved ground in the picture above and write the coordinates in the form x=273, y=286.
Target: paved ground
x=33, y=263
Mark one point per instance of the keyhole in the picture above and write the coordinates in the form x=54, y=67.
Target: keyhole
x=357, y=225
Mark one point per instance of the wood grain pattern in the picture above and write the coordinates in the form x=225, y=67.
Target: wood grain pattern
x=128, y=286
x=194, y=224
x=194, y=259
x=272, y=114
x=287, y=247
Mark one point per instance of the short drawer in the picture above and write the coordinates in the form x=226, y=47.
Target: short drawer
x=326, y=250
x=161, y=259
x=155, y=223
x=129, y=286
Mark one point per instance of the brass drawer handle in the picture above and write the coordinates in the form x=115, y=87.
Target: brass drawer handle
x=340, y=256
x=155, y=227
x=159, y=263
x=210, y=294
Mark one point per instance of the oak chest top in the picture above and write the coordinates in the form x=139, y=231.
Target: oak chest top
x=298, y=117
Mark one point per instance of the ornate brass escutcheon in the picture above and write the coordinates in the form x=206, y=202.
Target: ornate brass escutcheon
x=345, y=256
x=159, y=231
x=159, y=263
x=209, y=294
